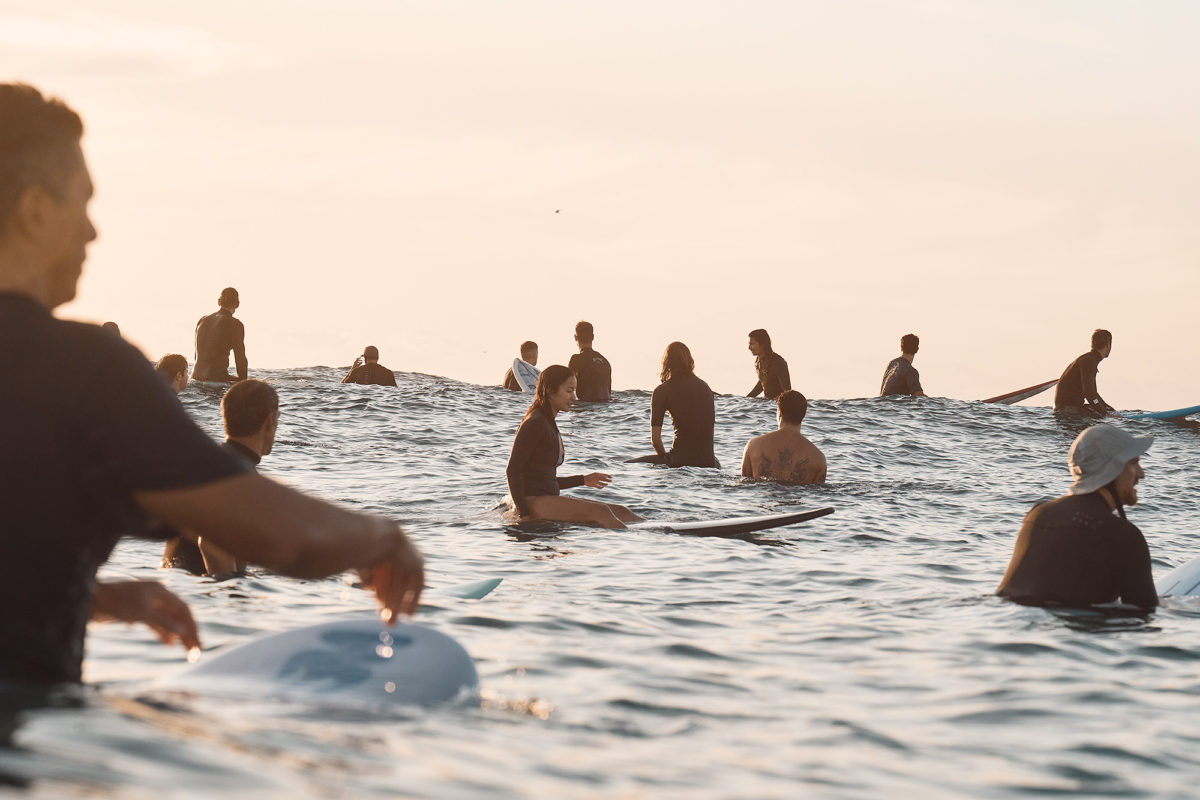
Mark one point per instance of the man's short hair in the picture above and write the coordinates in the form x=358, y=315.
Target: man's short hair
x=38, y=140
x=171, y=365
x=792, y=407
x=247, y=405
x=1101, y=338
x=528, y=347
x=371, y=351
x=584, y=331
x=910, y=343
x=761, y=336
x=229, y=297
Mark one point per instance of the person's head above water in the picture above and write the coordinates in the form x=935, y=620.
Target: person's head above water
x=555, y=390
x=792, y=407
x=910, y=343
x=250, y=410
x=229, y=299
x=676, y=362
x=44, y=194
x=174, y=369
x=370, y=354
x=1102, y=342
x=760, y=342
x=529, y=352
x=584, y=333
x=1106, y=457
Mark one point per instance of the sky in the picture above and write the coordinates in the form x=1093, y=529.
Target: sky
x=445, y=180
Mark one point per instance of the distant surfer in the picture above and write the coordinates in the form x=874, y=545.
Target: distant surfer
x=689, y=401
x=785, y=455
x=591, y=370
x=772, y=369
x=1080, y=550
x=216, y=335
x=368, y=371
x=174, y=370
x=1076, y=392
x=537, y=452
x=250, y=411
x=900, y=376
x=529, y=354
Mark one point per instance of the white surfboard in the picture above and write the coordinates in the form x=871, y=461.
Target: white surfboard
x=1183, y=581
x=354, y=660
x=526, y=375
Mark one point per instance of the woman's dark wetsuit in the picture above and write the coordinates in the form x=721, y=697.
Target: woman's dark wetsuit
x=533, y=464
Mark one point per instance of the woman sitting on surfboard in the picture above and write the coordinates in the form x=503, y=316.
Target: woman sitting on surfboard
x=538, y=450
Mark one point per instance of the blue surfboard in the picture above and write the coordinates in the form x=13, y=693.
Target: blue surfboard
x=1176, y=414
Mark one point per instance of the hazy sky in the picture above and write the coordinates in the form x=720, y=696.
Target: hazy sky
x=999, y=178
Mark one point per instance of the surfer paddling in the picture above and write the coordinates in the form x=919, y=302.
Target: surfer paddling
x=1076, y=392
x=900, y=376
x=529, y=354
x=772, y=369
x=95, y=464
x=537, y=451
x=785, y=455
x=693, y=413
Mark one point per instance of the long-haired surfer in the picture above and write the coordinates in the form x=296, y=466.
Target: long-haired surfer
x=693, y=413
x=537, y=452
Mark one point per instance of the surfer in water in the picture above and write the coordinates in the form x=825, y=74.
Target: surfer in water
x=900, y=376
x=592, y=370
x=693, y=413
x=537, y=452
x=1076, y=391
x=216, y=335
x=785, y=455
x=368, y=371
x=174, y=370
x=529, y=354
x=772, y=369
x=1080, y=550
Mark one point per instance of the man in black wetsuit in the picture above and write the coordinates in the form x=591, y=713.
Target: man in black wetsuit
x=1075, y=551
x=368, y=371
x=250, y=410
x=773, y=377
x=216, y=335
x=900, y=376
x=592, y=370
x=106, y=446
x=693, y=413
x=529, y=354
x=174, y=370
x=1076, y=391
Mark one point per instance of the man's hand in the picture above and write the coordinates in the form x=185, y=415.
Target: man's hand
x=358, y=362
x=397, y=580
x=597, y=480
x=148, y=602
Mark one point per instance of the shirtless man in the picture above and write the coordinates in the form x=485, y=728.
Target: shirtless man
x=785, y=455
x=529, y=354
x=216, y=335
x=174, y=370
x=368, y=371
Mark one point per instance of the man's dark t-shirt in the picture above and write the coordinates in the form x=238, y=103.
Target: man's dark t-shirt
x=216, y=335
x=181, y=552
x=593, y=374
x=1077, y=385
x=900, y=377
x=78, y=444
x=773, y=377
x=693, y=412
x=371, y=375
x=1075, y=552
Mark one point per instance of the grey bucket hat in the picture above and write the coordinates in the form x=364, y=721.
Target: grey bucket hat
x=1099, y=454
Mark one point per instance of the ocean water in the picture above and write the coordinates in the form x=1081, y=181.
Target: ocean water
x=860, y=655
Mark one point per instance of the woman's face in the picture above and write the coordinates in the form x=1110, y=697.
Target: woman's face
x=562, y=398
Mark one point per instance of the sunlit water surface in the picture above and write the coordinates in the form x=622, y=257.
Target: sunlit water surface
x=859, y=655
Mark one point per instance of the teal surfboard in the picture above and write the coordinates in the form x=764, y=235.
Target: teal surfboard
x=1176, y=414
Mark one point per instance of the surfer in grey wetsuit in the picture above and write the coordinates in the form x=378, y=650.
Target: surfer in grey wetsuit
x=1080, y=550
x=1076, y=391
x=529, y=354
x=537, y=451
x=368, y=371
x=591, y=370
x=772, y=369
x=900, y=376
x=693, y=413
x=216, y=335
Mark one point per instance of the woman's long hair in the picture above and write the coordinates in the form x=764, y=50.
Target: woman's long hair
x=549, y=382
x=677, y=360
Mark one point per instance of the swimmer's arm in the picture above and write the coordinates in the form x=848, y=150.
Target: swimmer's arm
x=239, y=350
x=148, y=602
x=656, y=440
x=218, y=562
x=756, y=391
x=264, y=522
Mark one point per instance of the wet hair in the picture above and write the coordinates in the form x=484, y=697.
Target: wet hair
x=762, y=337
x=247, y=405
x=910, y=343
x=1101, y=338
x=584, y=331
x=229, y=297
x=371, y=351
x=38, y=140
x=677, y=360
x=792, y=407
x=549, y=382
x=528, y=346
x=171, y=365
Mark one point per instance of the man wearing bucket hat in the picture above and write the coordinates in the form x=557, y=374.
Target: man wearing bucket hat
x=1080, y=550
